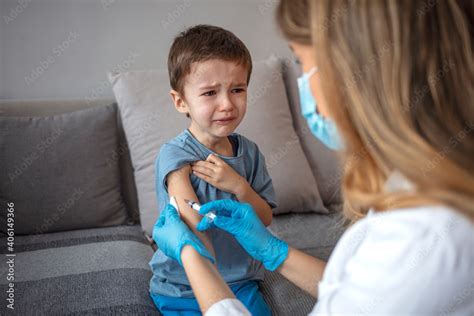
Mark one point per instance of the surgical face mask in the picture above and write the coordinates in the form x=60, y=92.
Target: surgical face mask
x=322, y=128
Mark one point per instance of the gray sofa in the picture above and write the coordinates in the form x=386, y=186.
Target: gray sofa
x=102, y=268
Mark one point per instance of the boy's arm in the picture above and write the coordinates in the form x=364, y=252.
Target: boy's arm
x=179, y=185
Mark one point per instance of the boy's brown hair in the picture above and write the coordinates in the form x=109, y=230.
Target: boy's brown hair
x=200, y=43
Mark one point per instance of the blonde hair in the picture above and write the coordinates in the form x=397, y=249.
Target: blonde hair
x=398, y=78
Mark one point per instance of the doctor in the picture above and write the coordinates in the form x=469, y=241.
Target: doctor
x=391, y=84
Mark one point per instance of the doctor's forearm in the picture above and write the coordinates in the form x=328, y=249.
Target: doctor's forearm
x=303, y=270
x=206, y=282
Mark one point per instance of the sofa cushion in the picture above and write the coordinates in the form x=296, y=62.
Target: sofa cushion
x=325, y=163
x=150, y=119
x=285, y=298
x=309, y=231
x=61, y=106
x=58, y=172
x=101, y=271
x=314, y=234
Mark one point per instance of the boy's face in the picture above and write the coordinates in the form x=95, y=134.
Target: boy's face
x=215, y=96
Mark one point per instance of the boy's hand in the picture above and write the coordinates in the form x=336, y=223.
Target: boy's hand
x=216, y=172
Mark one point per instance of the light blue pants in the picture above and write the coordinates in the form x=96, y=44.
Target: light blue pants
x=246, y=292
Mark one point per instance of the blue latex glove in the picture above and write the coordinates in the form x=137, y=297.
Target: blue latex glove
x=240, y=220
x=171, y=234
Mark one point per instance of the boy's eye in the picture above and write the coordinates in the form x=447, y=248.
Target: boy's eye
x=209, y=93
x=238, y=90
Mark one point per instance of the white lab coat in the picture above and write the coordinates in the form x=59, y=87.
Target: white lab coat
x=417, y=261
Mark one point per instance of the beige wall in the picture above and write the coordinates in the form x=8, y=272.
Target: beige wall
x=1, y=47
x=63, y=48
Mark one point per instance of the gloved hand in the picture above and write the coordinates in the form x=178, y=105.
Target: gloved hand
x=240, y=220
x=171, y=234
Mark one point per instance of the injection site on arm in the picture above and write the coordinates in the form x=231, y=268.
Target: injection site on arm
x=179, y=187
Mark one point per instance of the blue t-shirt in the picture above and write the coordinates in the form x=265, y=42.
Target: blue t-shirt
x=233, y=262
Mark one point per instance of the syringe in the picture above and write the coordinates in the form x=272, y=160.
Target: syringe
x=195, y=206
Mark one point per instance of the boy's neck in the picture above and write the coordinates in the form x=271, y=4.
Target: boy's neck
x=219, y=145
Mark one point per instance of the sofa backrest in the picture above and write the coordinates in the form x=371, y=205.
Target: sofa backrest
x=323, y=161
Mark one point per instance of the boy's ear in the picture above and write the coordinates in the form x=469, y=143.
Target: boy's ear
x=179, y=102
